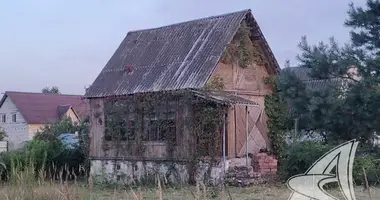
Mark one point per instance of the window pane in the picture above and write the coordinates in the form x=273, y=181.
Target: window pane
x=131, y=130
x=172, y=106
x=168, y=130
x=170, y=115
x=122, y=130
x=153, y=131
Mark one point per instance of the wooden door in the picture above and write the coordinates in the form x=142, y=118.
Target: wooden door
x=256, y=137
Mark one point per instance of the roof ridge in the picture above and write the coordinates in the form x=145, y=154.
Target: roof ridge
x=65, y=105
x=42, y=93
x=193, y=20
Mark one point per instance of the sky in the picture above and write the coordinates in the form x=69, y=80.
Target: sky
x=66, y=43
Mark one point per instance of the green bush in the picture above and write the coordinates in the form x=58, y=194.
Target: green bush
x=46, y=156
x=299, y=157
x=42, y=158
x=371, y=166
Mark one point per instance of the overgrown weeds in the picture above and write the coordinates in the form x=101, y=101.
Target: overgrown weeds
x=27, y=184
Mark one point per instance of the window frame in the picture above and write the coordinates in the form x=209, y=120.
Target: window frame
x=130, y=127
x=3, y=118
x=152, y=125
x=127, y=126
x=14, y=117
x=157, y=117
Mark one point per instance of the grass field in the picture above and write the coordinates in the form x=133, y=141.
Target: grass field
x=70, y=192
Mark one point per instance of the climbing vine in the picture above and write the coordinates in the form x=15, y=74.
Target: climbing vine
x=136, y=122
x=209, y=117
x=276, y=111
x=242, y=49
x=215, y=83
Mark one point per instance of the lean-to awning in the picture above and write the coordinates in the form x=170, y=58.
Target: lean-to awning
x=224, y=97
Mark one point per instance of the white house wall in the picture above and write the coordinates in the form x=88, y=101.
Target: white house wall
x=17, y=131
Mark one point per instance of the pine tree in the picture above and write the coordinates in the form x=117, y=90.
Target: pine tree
x=339, y=115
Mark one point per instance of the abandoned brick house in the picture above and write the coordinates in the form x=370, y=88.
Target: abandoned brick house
x=204, y=79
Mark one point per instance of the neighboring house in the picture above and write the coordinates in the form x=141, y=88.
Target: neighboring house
x=176, y=59
x=311, y=83
x=22, y=114
x=303, y=73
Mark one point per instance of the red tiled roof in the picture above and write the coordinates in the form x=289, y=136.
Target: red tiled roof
x=39, y=108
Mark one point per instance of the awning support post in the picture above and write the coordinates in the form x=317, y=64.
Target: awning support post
x=224, y=141
x=246, y=136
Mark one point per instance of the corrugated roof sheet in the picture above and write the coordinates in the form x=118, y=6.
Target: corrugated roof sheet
x=177, y=56
x=323, y=83
x=223, y=97
x=303, y=73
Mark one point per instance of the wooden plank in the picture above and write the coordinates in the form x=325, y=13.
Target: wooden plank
x=231, y=133
x=255, y=143
x=240, y=127
x=97, y=127
x=255, y=138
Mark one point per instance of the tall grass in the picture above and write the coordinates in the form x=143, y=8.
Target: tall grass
x=27, y=180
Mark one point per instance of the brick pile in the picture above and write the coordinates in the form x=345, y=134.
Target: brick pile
x=264, y=164
x=243, y=176
x=263, y=169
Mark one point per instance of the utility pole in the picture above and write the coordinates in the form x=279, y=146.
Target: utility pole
x=295, y=130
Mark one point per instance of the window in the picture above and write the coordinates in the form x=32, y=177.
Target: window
x=3, y=118
x=160, y=123
x=169, y=126
x=121, y=125
x=14, y=117
x=130, y=125
x=156, y=124
x=151, y=131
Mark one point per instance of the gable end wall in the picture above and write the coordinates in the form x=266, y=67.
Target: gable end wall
x=17, y=131
x=248, y=83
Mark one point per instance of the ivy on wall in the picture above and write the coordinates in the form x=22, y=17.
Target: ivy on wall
x=128, y=123
x=242, y=50
x=209, y=118
x=276, y=110
x=132, y=121
x=215, y=83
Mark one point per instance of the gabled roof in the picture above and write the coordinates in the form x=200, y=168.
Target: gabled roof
x=62, y=109
x=178, y=56
x=39, y=108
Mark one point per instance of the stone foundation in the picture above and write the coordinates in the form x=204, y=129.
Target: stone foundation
x=133, y=172
x=234, y=172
